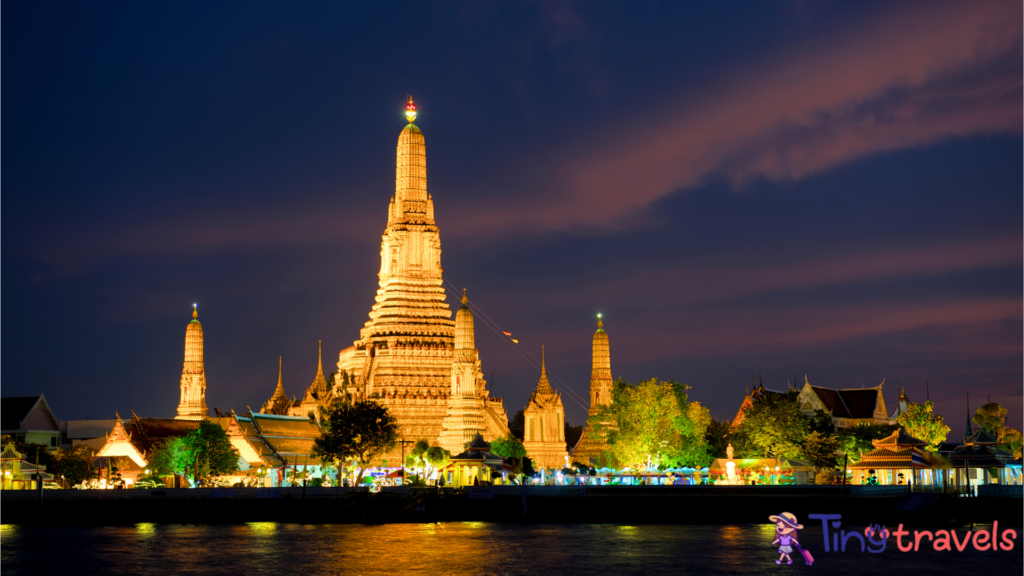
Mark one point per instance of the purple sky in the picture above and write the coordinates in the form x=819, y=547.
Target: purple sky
x=791, y=188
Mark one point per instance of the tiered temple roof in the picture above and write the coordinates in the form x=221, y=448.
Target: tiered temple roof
x=893, y=451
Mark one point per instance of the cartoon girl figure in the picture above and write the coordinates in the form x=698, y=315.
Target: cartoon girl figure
x=786, y=526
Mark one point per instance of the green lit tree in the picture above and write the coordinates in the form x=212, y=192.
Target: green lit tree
x=918, y=421
x=436, y=457
x=857, y=440
x=1011, y=441
x=820, y=450
x=774, y=425
x=653, y=422
x=209, y=446
x=358, y=431
x=990, y=417
x=510, y=448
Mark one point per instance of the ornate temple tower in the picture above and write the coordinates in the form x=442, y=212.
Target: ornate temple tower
x=464, y=419
x=278, y=403
x=193, y=374
x=318, y=394
x=545, y=424
x=590, y=449
x=405, y=352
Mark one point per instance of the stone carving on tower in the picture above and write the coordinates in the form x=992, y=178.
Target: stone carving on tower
x=405, y=351
x=192, y=405
x=544, y=420
x=318, y=394
x=592, y=449
x=278, y=403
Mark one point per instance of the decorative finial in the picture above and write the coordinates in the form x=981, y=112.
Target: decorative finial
x=195, y=311
x=464, y=299
x=543, y=371
x=599, y=323
x=410, y=110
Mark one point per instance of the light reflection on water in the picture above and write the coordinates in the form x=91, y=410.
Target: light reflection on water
x=447, y=548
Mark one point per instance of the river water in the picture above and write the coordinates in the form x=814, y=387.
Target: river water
x=464, y=548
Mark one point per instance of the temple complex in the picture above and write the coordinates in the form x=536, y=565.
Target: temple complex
x=591, y=449
x=193, y=374
x=545, y=425
x=405, y=353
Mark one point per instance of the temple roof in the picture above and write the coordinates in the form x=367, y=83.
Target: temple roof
x=543, y=386
x=981, y=436
x=14, y=410
x=849, y=403
x=899, y=438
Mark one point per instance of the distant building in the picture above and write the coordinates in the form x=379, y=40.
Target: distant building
x=847, y=407
x=29, y=419
x=262, y=440
x=592, y=449
x=192, y=405
x=545, y=425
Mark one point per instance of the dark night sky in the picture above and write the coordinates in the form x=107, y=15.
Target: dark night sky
x=788, y=188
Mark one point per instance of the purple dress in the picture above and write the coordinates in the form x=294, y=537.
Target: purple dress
x=785, y=544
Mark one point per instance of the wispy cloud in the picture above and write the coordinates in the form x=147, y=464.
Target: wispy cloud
x=902, y=78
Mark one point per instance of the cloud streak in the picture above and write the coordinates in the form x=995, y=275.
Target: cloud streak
x=898, y=80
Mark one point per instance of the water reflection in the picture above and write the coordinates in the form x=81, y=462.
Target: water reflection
x=465, y=548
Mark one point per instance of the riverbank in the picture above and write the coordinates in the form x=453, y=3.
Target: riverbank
x=547, y=504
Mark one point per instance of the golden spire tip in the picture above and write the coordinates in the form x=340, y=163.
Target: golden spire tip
x=195, y=311
x=464, y=299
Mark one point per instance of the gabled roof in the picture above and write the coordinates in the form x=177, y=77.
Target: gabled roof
x=832, y=400
x=15, y=409
x=861, y=403
x=850, y=402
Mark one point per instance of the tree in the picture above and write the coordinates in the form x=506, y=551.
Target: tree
x=417, y=458
x=436, y=457
x=358, y=431
x=1011, y=442
x=73, y=465
x=653, y=422
x=572, y=434
x=169, y=457
x=775, y=426
x=918, y=421
x=716, y=438
x=510, y=448
x=210, y=446
x=990, y=417
x=517, y=425
x=820, y=451
x=854, y=441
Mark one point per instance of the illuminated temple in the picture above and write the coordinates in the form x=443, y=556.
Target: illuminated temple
x=591, y=449
x=408, y=349
x=192, y=405
x=545, y=425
